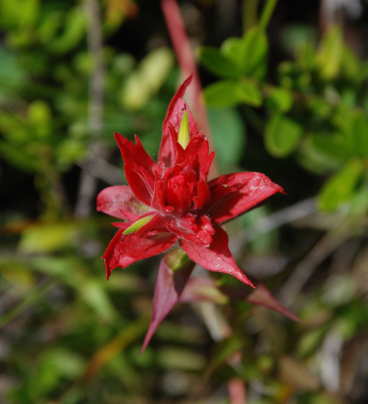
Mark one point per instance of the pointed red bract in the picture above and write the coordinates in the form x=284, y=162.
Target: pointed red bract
x=235, y=194
x=125, y=249
x=138, y=167
x=169, y=287
x=216, y=257
x=182, y=204
x=119, y=201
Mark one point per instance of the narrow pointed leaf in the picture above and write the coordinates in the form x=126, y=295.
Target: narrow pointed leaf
x=263, y=297
x=170, y=284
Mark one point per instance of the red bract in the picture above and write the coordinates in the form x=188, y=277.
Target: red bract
x=170, y=200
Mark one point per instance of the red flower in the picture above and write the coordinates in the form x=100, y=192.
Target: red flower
x=170, y=200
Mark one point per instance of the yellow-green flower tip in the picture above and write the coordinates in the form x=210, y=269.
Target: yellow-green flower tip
x=184, y=135
x=138, y=224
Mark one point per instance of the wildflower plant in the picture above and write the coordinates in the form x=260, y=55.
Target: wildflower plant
x=171, y=202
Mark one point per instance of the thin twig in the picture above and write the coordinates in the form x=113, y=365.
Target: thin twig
x=95, y=109
x=101, y=169
x=305, y=269
x=284, y=216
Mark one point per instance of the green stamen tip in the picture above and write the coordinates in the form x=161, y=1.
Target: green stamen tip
x=184, y=135
x=138, y=224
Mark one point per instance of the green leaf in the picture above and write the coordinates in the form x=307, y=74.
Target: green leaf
x=227, y=93
x=229, y=135
x=218, y=63
x=324, y=152
x=147, y=79
x=93, y=293
x=336, y=146
x=233, y=49
x=48, y=237
x=340, y=188
x=255, y=53
x=330, y=54
x=282, y=136
x=54, y=366
x=74, y=29
x=223, y=94
x=40, y=119
x=248, y=53
x=360, y=136
x=12, y=75
x=250, y=93
x=279, y=98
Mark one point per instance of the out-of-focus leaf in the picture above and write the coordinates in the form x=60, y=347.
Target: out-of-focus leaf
x=296, y=37
x=227, y=93
x=69, y=151
x=39, y=117
x=340, y=187
x=229, y=135
x=13, y=15
x=360, y=136
x=93, y=293
x=329, y=57
x=63, y=268
x=217, y=63
x=248, y=53
x=225, y=350
x=311, y=341
x=223, y=93
x=250, y=93
x=179, y=358
x=49, y=26
x=48, y=237
x=147, y=79
x=74, y=29
x=54, y=365
x=255, y=53
x=114, y=347
x=325, y=152
x=282, y=136
x=12, y=76
x=233, y=49
x=279, y=99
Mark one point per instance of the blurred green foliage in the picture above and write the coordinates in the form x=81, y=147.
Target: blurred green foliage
x=316, y=110
x=67, y=335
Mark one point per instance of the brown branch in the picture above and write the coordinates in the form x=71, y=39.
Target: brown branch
x=88, y=182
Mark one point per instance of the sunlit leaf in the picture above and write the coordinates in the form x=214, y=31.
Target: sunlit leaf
x=282, y=135
x=340, y=187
